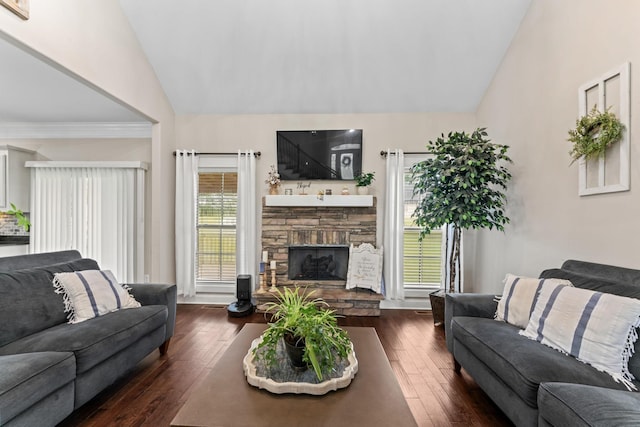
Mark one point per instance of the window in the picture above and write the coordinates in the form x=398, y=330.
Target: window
x=422, y=259
x=217, y=205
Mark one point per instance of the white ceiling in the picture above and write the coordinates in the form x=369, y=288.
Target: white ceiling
x=33, y=91
x=287, y=56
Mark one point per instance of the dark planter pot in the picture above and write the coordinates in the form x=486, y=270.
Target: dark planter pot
x=294, y=347
x=437, y=306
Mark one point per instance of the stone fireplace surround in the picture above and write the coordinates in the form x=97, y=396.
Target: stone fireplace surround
x=324, y=225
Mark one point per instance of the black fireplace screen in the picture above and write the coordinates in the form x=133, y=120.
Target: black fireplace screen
x=318, y=262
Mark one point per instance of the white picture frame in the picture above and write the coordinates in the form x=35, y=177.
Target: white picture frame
x=610, y=173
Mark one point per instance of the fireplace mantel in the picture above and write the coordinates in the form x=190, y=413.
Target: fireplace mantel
x=313, y=200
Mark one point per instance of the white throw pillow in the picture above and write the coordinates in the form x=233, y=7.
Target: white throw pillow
x=91, y=293
x=594, y=327
x=519, y=297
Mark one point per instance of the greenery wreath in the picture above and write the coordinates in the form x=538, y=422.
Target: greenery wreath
x=594, y=132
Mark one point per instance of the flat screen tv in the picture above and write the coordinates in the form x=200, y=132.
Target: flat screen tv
x=319, y=154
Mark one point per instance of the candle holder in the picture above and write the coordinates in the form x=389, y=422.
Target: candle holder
x=273, y=281
x=263, y=278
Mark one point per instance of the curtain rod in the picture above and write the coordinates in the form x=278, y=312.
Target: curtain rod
x=384, y=153
x=256, y=154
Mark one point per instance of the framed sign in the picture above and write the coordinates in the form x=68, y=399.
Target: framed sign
x=19, y=7
x=365, y=267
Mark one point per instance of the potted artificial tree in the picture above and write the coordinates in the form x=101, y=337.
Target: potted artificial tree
x=363, y=181
x=461, y=186
x=311, y=334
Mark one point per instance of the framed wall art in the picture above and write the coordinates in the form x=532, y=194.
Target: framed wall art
x=608, y=173
x=19, y=7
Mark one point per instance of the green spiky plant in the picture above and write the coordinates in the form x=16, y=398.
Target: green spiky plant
x=298, y=318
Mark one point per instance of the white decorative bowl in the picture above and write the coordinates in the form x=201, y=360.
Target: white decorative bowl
x=298, y=387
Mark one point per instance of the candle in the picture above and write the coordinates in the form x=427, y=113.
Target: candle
x=262, y=267
x=273, y=265
x=264, y=256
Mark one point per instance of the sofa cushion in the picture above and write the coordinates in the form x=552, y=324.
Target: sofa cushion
x=28, y=302
x=519, y=297
x=625, y=289
x=522, y=364
x=97, y=339
x=25, y=379
x=597, y=328
x=91, y=293
x=562, y=404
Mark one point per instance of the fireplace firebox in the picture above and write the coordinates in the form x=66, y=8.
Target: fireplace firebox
x=318, y=262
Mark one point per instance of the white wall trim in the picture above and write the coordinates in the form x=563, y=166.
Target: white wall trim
x=73, y=130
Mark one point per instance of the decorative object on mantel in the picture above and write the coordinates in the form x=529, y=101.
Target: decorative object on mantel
x=594, y=133
x=363, y=181
x=273, y=180
x=19, y=7
x=310, y=334
x=345, y=191
x=302, y=187
x=462, y=186
x=365, y=268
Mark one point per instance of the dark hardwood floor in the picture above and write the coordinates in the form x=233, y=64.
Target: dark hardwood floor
x=155, y=391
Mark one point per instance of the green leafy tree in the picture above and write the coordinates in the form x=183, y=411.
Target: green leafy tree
x=463, y=186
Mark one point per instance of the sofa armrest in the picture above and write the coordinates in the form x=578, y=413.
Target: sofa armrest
x=158, y=294
x=471, y=305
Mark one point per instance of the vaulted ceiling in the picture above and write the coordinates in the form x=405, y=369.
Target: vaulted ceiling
x=289, y=56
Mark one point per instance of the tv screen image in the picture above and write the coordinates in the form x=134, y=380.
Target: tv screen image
x=319, y=154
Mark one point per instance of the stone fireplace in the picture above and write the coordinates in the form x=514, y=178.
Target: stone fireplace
x=313, y=237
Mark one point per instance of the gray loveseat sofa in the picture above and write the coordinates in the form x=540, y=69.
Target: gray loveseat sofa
x=49, y=367
x=532, y=383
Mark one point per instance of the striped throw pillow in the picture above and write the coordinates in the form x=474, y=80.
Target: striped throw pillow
x=91, y=293
x=594, y=327
x=519, y=297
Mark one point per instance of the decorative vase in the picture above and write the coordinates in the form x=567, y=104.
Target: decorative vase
x=273, y=190
x=363, y=191
x=295, y=350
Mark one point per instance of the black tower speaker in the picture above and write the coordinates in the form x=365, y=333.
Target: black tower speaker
x=243, y=306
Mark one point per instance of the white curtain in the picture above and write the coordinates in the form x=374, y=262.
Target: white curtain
x=394, y=225
x=95, y=210
x=246, y=217
x=186, y=221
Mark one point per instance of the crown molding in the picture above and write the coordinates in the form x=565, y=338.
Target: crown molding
x=73, y=130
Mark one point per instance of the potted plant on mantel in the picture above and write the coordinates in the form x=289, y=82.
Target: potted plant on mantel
x=311, y=334
x=363, y=181
x=462, y=186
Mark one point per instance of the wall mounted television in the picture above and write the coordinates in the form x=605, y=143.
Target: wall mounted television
x=319, y=154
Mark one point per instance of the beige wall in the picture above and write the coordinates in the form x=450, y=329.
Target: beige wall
x=93, y=42
x=531, y=105
x=219, y=133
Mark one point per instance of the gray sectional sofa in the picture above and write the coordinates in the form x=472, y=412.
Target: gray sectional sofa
x=532, y=383
x=49, y=367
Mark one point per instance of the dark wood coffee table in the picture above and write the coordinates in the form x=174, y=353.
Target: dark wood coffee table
x=224, y=398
